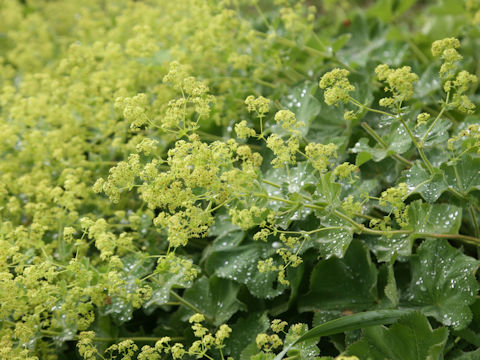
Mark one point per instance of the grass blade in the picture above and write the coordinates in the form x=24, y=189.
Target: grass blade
x=347, y=323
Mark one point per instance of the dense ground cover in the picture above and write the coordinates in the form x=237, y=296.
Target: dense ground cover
x=247, y=179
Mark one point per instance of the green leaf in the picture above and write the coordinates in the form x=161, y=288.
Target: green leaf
x=249, y=352
x=240, y=264
x=428, y=84
x=297, y=180
x=433, y=218
x=391, y=288
x=359, y=188
x=348, y=323
x=304, y=350
x=329, y=125
x=385, y=247
x=328, y=190
x=303, y=102
x=469, y=335
x=367, y=38
x=397, y=142
x=402, y=6
x=382, y=9
x=263, y=356
x=340, y=42
x=471, y=355
x=244, y=332
x=448, y=7
x=343, y=284
x=213, y=297
x=420, y=181
x=438, y=135
x=162, y=285
x=227, y=235
x=411, y=338
x=120, y=308
x=443, y=283
x=468, y=171
x=104, y=327
x=363, y=156
x=335, y=241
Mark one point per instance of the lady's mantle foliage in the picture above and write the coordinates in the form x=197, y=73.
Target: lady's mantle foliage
x=194, y=179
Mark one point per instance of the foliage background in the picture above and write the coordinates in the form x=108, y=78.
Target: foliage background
x=74, y=260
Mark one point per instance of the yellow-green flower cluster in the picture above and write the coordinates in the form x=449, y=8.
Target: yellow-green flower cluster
x=126, y=349
x=173, y=264
x=446, y=49
x=268, y=343
x=259, y=105
x=243, y=131
x=248, y=218
x=345, y=170
x=399, y=82
x=473, y=7
x=278, y=325
x=298, y=19
x=337, y=86
x=143, y=44
x=207, y=340
x=394, y=196
x=288, y=121
x=85, y=345
x=192, y=165
x=321, y=155
x=183, y=114
x=289, y=254
x=285, y=151
x=351, y=207
x=462, y=83
x=457, y=84
x=469, y=138
x=422, y=118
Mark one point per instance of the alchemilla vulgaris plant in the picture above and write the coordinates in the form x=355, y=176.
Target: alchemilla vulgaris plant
x=239, y=179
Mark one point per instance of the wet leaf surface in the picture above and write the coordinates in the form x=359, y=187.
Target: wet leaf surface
x=443, y=283
x=411, y=338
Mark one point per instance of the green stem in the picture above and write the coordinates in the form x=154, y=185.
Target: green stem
x=275, y=198
x=262, y=15
x=416, y=50
x=456, y=193
x=265, y=83
x=307, y=232
x=457, y=176
x=373, y=134
x=469, y=239
x=349, y=220
x=425, y=160
x=360, y=105
x=51, y=333
x=418, y=146
x=409, y=131
x=474, y=221
x=377, y=137
x=308, y=49
x=271, y=183
x=135, y=338
x=362, y=229
x=430, y=128
x=190, y=305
